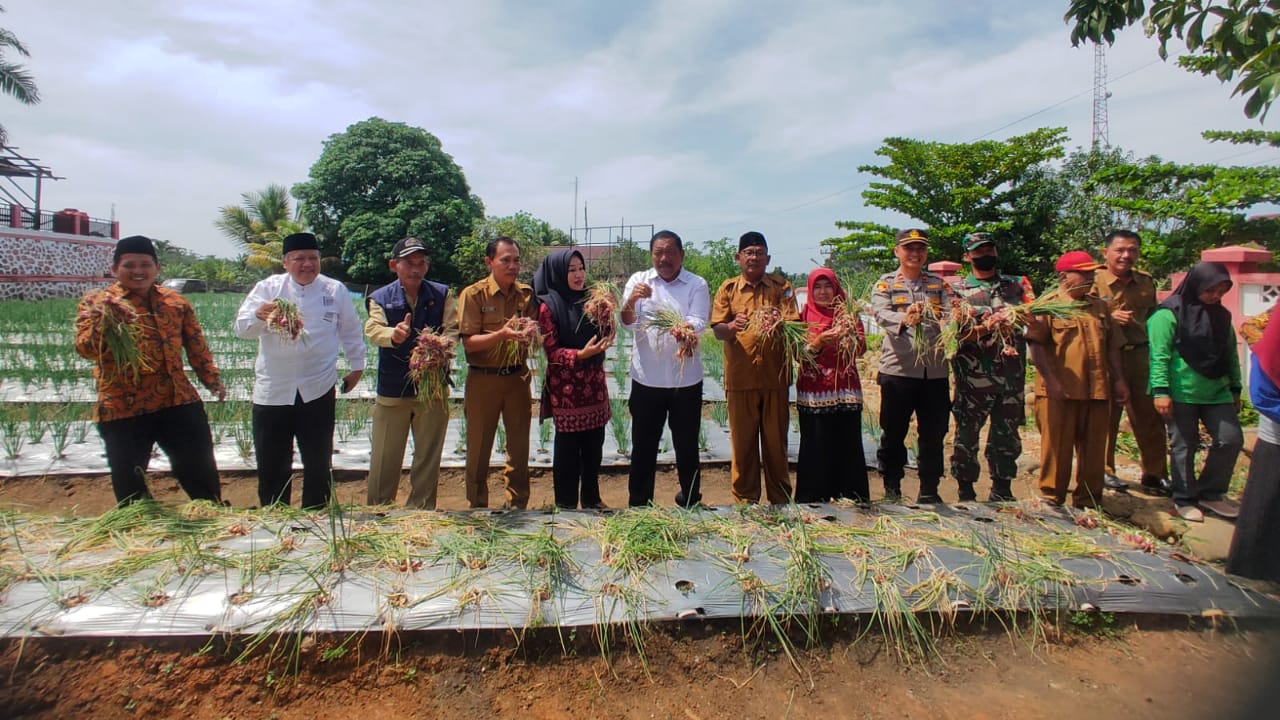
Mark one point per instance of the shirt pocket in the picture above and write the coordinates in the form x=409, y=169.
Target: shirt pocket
x=1064, y=330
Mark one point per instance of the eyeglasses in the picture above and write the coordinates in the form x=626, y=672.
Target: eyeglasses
x=754, y=253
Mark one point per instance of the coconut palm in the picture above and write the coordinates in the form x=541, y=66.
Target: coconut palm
x=260, y=223
x=14, y=78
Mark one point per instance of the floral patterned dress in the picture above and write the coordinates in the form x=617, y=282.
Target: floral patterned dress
x=574, y=393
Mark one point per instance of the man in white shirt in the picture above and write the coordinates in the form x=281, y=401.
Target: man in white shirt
x=665, y=389
x=293, y=389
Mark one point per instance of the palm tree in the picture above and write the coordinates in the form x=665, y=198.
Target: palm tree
x=14, y=78
x=260, y=223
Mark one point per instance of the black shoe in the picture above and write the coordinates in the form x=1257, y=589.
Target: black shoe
x=680, y=500
x=1111, y=482
x=967, y=493
x=1000, y=496
x=1159, y=487
x=928, y=499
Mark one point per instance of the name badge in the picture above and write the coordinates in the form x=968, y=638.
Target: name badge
x=488, y=308
x=327, y=299
x=330, y=317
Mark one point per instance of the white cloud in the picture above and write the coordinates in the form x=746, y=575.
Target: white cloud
x=708, y=117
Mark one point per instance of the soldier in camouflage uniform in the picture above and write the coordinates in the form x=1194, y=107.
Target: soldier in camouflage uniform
x=989, y=374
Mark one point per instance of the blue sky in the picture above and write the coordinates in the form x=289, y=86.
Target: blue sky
x=708, y=117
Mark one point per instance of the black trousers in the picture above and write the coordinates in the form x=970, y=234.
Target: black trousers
x=832, y=464
x=182, y=433
x=275, y=427
x=651, y=408
x=930, y=401
x=575, y=462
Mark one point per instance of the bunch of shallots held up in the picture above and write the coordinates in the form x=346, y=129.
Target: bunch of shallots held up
x=601, y=305
x=846, y=324
x=429, y=364
x=1005, y=323
x=115, y=322
x=284, y=320
x=516, y=351
x=666, y=319
x=767, y=323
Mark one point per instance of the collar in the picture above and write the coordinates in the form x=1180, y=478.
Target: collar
x=517, y=287
x=681, y=277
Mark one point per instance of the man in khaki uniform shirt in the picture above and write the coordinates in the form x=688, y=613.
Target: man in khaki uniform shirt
x=1130, y=295
x=1079, y=375
x=757, y=375
x=496, y=387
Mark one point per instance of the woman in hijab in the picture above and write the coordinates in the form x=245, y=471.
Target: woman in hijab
x=1253, y=546
x=829, y=399
x=1195, y=378
x=574, y=394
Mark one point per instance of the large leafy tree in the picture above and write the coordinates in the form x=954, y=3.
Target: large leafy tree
x=535, y=236
x=260, y=223
x=1191, y=208
x=380, y=181
x=15, y=80
x=955, y=189
x=1234, y=40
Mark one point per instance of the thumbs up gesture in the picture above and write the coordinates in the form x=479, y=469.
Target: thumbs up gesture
x=400, y=332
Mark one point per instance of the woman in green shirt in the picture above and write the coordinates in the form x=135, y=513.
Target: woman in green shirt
x=1195, y=378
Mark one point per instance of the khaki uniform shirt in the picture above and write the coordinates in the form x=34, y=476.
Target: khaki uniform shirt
x=892, y=295
x=1078, y=349
x=1138, y=294
x=484, y=308
x=749, y=362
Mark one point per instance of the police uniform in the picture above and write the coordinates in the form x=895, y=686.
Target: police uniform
x=911, y=382
x=396, y=409
x=1136, y=294
x=757, y=377
x=1075, y=425
x=494, y=390
x=990, y=384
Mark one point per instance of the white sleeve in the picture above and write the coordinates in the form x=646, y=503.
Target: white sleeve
x=247, y=325
x=626, y=293
x=699, y=306
x=350, y=330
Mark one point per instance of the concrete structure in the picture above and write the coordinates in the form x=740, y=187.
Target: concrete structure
x=40, y=264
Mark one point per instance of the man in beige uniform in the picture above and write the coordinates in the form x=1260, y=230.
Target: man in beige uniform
x=757, y=375
x=1078, y=364
x=497, y=387
x=1130, y=295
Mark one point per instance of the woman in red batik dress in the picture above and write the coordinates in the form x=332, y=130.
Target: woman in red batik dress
x=574, y=393
x=829, y=398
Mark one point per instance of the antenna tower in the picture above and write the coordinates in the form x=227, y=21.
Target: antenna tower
x=1101, y=137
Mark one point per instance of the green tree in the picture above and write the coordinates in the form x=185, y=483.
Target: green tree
x=1190, y=208
x=1230, y=39
x=260, y=223
x=713, y=261
x=534, y=235
x=380, y=181
x=15, y=80
x=954, y=189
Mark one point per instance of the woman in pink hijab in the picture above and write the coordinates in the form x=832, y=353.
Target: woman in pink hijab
x=829, y=398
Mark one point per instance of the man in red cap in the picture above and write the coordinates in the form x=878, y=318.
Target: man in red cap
x=1079, y=377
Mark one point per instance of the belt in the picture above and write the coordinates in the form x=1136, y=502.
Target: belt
x=1134, y=346
x=509, y=370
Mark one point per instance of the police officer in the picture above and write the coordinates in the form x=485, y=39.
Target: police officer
x=989, y=368
x=907, y=302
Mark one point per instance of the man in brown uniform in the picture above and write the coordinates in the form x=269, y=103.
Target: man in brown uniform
x=497, y=383
x=1130, y=295
x=756, y=374
x=1079, y=376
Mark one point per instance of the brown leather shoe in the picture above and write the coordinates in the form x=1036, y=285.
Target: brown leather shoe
x=1223, y=508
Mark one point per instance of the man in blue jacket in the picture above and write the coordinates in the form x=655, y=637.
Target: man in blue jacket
x=398, y=312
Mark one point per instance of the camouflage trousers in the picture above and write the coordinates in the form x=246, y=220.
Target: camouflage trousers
x=1006, y=412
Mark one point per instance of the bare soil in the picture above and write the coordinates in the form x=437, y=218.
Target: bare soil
x=1135, y=667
